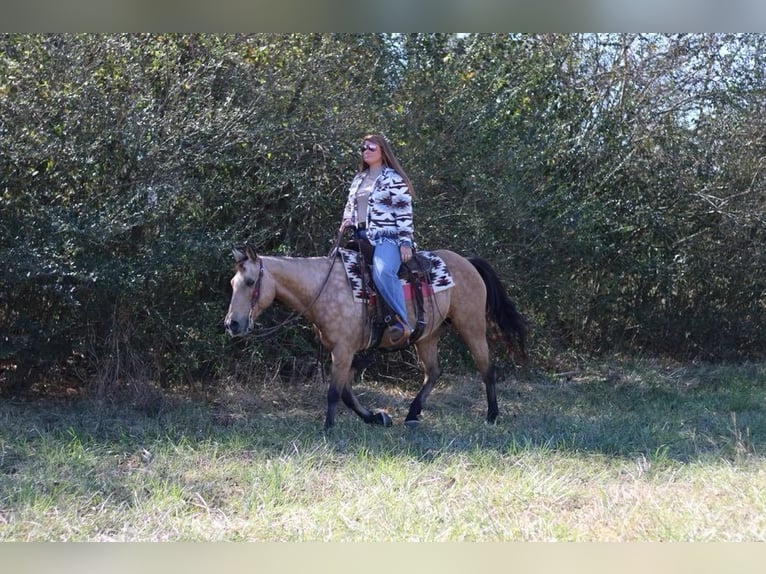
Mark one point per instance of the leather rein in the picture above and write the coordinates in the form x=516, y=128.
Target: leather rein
x=295, y=315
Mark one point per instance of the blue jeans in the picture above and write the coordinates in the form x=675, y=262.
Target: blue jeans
x=385, y=265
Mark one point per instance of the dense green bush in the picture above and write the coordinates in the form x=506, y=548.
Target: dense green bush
x=614, y=181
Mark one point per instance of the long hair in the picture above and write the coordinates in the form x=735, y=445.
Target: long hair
x=389, y=159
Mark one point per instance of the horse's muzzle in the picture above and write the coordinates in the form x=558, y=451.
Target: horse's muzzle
x=234, y=329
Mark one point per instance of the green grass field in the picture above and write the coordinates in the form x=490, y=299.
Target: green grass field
x=621, y=451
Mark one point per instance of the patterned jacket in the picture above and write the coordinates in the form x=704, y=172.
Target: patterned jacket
x=389, y=211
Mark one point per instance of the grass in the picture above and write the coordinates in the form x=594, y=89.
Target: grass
x=622, y=451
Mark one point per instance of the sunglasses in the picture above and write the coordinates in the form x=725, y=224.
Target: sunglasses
x=368, y=146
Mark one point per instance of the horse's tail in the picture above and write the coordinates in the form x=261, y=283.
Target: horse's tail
x=501, y=309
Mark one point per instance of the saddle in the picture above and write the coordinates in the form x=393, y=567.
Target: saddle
x=415, y=271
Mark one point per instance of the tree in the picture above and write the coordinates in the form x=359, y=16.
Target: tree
x=615, y=181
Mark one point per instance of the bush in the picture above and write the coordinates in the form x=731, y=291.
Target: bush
x=612, y=180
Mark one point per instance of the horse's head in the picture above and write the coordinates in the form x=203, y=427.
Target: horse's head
x=251, y=293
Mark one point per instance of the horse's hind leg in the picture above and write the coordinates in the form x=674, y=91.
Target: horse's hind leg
x=489, y=384
x=480, y=352
x=428, y=355
x=474, y=336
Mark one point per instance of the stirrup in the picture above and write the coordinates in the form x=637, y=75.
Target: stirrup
x=403, y=329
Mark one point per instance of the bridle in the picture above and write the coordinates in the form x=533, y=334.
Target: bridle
x=257, y=289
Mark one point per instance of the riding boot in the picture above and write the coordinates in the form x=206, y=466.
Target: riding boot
x=398, y=331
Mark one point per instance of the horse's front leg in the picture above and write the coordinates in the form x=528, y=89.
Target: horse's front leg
x=340, y=388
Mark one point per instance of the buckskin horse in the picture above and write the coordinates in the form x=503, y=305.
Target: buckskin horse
x=317, y=288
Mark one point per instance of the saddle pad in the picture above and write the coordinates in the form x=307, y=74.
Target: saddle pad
x=439, y=277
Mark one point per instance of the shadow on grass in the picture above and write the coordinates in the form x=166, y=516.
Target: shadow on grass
x=672, y=412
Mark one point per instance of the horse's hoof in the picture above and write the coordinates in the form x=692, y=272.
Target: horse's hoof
x=381, y=418
x=412, y=423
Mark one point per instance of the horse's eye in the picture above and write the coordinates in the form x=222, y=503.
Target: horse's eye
x=249, y=281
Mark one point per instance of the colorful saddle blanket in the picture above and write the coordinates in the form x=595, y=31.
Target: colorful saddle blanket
x=438, y=279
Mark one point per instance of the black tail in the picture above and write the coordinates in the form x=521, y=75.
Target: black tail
x=510, y=323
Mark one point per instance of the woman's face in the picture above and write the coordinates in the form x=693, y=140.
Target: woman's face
x=371, y=153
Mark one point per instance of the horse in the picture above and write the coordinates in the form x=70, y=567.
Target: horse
x=317, y=289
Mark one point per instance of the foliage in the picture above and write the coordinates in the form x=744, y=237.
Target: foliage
x=614, y=180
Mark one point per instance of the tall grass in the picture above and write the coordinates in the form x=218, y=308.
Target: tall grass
x=633, y=451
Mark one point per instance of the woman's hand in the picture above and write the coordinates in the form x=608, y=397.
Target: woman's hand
x=344, y=224
x=405, y=252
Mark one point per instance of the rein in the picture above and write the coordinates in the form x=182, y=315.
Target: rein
x=295, y=315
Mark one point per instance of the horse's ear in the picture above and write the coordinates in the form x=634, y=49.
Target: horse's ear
x=239, y=257
x=251, y=253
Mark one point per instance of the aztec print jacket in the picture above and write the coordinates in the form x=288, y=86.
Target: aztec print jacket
x=389, y=211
